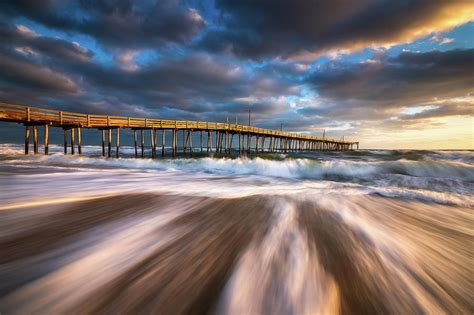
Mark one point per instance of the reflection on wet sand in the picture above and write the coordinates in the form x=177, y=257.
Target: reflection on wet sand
x=282, y=254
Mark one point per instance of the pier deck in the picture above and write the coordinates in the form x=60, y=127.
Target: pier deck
x=279, y=141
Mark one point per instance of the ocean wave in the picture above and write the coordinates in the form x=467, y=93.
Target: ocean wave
x=292, y=168
x=434, y=178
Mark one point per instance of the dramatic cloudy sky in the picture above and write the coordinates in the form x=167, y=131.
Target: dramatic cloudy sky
x=392, y=74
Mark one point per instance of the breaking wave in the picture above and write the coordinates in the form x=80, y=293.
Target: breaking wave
x=360, y=232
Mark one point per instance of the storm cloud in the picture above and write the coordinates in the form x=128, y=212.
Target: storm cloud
x=122, y=23
x=303, y=29
x=341, y=66
x=379, y=88
x=409, y=77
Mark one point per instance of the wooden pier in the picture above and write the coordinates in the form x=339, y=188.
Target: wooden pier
x=220, y=136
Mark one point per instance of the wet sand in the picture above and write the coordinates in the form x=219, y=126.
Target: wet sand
x=262, y=254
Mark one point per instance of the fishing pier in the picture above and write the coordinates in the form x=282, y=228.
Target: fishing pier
x=214, y=136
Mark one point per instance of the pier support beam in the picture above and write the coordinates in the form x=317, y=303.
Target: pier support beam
x=103, y=142
x=27, y=139
x=35, y=139
x=72, y=142
x=184, y=141
x=65, y=140
x=142, y=133
x=46, y=139
x=163, y=142
x=191, y=142
x=249, y=142
x=209, y=141
x=79, y=148
x=225, y=142
x=117, y=144
x=109, y=153
x=153, y=142
x=221, y=141
x=256, y=144
x=173, y=142
x=135, y=142
x=241, y=143
x=201, y=141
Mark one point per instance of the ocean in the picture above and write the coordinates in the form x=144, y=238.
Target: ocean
x=355, y=232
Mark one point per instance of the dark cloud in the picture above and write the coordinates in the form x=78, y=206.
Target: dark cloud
x=390, y=93
x=43, y=69
x=122, y=23
x=407, y=79
x=25, y=40
x=20, y=74
x=186, y=81
x=244, y=57
x=303, y=29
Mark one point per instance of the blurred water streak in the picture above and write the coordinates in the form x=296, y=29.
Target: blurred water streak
x=361, y=232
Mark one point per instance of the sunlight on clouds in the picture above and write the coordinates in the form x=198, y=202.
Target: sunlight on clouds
x=126, y=60
x=417, y=109
x=445, y=20
x=25, y=30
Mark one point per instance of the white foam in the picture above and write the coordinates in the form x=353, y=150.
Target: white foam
x=65, y=177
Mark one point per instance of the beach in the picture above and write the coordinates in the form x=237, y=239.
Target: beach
x=305, y=233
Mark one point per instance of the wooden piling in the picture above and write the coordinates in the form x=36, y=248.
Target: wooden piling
x=135, y=142
x=173, y=144
x=142, y=132
x=191, y=142
x=109, y=142
x=201, y=140
x=163, y=142
x=152, y=142
x=249, y=142
x=117, y=144
x=240, y=143
x=79, y=148
x=225, y=141
x=35, y=139
x=103, y=142
x=72, y=142
x=209, y=141
x=184, y=140
x=65, y=140
x=46, y=139
x=221, y=142
x=27, y=138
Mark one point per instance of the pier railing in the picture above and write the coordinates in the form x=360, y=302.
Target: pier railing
x=36, y=115
x=279, y=141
